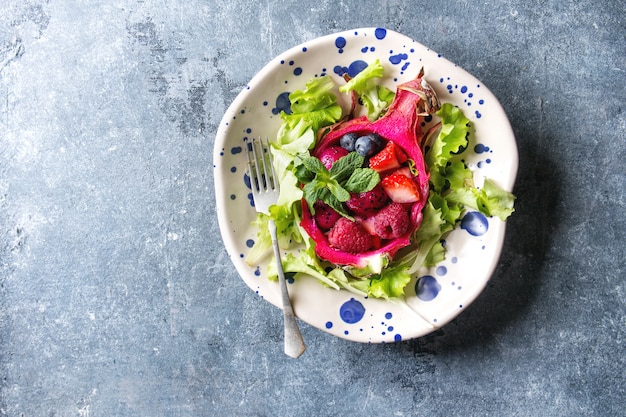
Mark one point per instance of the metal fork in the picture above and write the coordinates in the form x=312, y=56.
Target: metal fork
x=265, y=191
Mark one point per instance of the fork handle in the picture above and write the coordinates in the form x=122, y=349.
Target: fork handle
x=294, y=345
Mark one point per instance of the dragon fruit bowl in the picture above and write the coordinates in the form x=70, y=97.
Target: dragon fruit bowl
x=435, y=295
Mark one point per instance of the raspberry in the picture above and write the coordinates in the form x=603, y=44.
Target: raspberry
x=392, y=221
x=366, y=203
x=350, y=236
x=325, y=215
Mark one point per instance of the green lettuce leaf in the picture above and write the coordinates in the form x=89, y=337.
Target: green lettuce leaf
x=314, y=107
x=305, y=262
x=375, y=97
x=390, y=283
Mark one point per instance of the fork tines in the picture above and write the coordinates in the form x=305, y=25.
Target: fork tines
x=260, y=165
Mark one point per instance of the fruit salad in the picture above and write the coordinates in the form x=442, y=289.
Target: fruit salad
x=366, y=197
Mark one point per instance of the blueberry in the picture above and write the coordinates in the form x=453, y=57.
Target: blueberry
x=368, y=145
x=347, y=141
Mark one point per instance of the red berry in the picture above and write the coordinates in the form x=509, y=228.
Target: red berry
x=350, y=236
x=366, y=203
x=392, y=221
x=325, y=215
x=332, y=154
x=391, y=157
x=401, y=188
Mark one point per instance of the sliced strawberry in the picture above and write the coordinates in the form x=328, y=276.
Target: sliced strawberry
x=400, y=188
x=391, y=157
x=406, y=171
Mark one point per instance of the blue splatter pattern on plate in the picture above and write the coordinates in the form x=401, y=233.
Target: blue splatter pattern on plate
x=436, y=295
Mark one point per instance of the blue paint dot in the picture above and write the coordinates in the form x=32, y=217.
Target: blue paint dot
x=351, y=311
x=390, y=329
x=356, y=67
x=346, y=332
x=475, y=223
x=257, y=272
x=233, y=196
x=251, y=199
x=339, y=70
x=427, y=288
x=380, y=33
x=396, y=59
x=233, y=169
x=397, y=338
x=481, y=101
x=388, y=316
x=329, y=324
x=340, y=42
x=455, y=260
x=478, y=115
x=464, y=89
x=480, y=148
x=364, y=49
x=282, y=103
x=441, y=270
x=249, y=243
x=304, y=49
x=297, y=71
x=246, y=180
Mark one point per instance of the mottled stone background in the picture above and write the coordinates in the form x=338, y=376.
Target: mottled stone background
x=117, y=297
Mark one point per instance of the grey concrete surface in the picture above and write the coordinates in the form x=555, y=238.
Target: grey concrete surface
x=117, y=297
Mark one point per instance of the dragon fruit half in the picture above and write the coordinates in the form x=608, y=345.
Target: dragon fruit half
x=401, y=125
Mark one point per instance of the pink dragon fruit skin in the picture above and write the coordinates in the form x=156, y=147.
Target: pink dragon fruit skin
x=402, y=125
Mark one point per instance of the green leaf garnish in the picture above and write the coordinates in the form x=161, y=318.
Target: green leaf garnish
x=334, y=187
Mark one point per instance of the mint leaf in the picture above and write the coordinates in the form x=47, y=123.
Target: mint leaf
x=338, y=191
x=332, y=201
x=362, y=180
x=344, y=166
x=303, y=174
x=314, y=165
x=345, y=176
x=312, y=192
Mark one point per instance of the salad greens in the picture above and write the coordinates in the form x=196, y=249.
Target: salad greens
x=376, y=98
x=452, y=188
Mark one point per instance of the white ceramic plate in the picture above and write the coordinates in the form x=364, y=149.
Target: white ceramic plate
x=435, y=295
